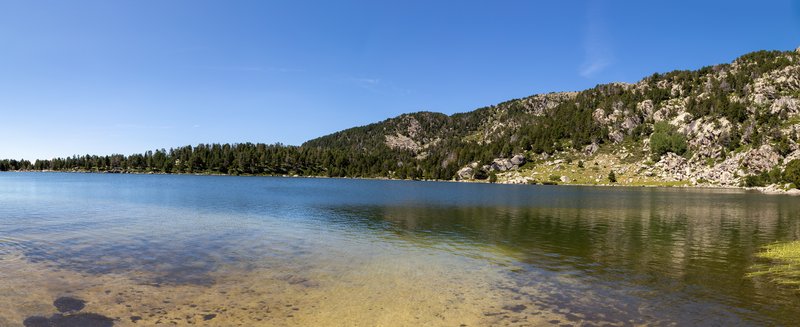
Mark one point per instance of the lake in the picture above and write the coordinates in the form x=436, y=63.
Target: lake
x=269, y=251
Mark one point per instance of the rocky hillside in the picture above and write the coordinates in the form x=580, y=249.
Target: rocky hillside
x=732, y=124
x=729, y=124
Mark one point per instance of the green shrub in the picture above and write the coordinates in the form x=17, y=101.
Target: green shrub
x=774, y=176
x=754, y=181
x=481, y=174
x=792, y=172
x=782, y=146
x=612, y=177
x=554, y=178
x=492, y=177
x=666, y=138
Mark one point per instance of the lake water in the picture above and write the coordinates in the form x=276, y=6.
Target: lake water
x=260, y=251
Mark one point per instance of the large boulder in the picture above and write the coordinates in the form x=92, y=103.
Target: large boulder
x=591, y=149
x=785, y=105
x=616, y=136
x=599, y=116
x=630, y=123
x=760, y=160
x=518, y=160
x=501, y=164
x=505, y=164
x=645, y=108
x=465, y=173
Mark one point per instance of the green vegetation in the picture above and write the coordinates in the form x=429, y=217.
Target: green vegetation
x=665, y=138
x=774, y=176
x=612, y=177
x=437, y=145
x=784, y=266
x=791, y=175
x=792, y=172
x=11, y=164
x=234, y=159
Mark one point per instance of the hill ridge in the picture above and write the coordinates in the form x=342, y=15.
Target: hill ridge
x=728, y=124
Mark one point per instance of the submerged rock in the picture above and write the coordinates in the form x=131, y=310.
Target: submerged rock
x=74, y=320
x=69, y=304
x=36, y=321
x=81, y=320
x=515, y=308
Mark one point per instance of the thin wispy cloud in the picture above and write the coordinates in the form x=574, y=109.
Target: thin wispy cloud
x=594, y=64
x=253, y=69
x=366, y=82
x=141, y=126
x=370, y=81
x=596, y=44
x=376, y=85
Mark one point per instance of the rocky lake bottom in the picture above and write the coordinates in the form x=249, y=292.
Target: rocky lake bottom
x=139, y=250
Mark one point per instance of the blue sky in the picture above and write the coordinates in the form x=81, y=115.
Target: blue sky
x=105, y=77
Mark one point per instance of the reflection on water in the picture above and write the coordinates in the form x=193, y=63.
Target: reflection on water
x=224, y=251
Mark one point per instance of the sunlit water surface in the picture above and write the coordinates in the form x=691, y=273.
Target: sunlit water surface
x=252, y=251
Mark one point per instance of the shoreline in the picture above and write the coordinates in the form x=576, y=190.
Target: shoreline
x=770, y=189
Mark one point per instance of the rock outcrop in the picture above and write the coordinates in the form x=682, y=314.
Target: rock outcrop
x=760, y=160
x=504, y=164
x=719, y=125
x=465, y=173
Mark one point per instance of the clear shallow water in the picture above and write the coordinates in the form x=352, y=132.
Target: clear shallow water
x=289, y=251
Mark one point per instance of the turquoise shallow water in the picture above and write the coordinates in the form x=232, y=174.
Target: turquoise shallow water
x=509, y=255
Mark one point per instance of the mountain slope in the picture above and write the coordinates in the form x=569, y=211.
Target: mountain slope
x=728, y=124
x=736, y=119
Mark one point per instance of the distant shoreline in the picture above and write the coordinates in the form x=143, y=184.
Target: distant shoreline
x=764, y=190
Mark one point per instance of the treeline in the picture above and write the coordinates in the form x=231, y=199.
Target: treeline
x=243, y=159
x=11, y=164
